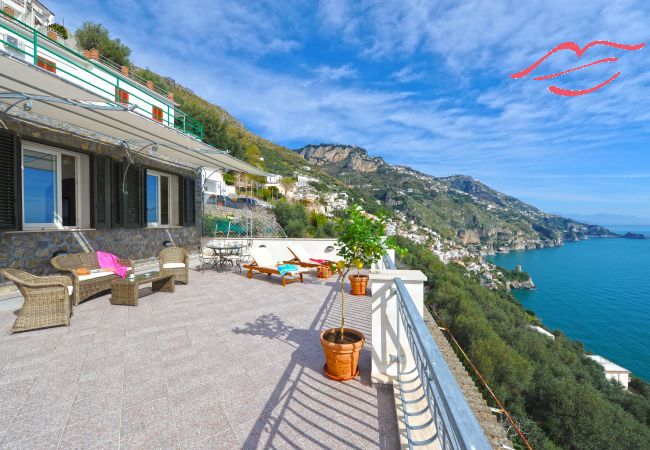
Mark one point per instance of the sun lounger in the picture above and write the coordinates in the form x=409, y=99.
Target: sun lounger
x=263, y=262
x=302, y=257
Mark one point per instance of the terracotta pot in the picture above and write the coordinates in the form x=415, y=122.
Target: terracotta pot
x=358, y=284
x=341, y=360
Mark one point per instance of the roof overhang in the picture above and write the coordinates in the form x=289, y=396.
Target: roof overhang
x=19, y=77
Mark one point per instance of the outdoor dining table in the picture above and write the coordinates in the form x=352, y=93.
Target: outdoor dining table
x=223, y=251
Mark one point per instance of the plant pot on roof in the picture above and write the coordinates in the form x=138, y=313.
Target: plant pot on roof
x=361, y=242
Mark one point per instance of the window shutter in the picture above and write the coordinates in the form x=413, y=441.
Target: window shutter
x=134, y=205
x=117, y=177
x=121, y=96
x=101, y=191
x=143, y=197
x=187, y=202
x=10, y=185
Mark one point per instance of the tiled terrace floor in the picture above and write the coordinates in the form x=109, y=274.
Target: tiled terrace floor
x=225, y=362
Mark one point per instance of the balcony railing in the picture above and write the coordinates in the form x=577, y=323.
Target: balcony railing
x=26, y=42
x=445, y=408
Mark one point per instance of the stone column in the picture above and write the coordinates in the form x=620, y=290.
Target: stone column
x=384, y=320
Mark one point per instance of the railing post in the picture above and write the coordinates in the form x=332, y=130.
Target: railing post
x=387, y=346
x=35, y=44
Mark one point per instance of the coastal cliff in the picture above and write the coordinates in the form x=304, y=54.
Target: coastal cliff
x=457, y=207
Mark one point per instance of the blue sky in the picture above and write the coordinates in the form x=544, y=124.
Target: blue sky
x=420, y=83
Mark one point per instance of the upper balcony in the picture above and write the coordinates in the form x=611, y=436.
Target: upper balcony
x=94, y=74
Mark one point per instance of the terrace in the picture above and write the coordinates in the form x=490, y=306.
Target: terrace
x=224, y=362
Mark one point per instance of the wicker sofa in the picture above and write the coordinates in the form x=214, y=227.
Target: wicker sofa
x=46, y=300
x=175, y=261
x=85, y=286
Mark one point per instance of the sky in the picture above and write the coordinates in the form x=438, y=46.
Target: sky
x=421, y=83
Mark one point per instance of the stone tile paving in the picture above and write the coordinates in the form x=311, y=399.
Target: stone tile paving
x=225, y=362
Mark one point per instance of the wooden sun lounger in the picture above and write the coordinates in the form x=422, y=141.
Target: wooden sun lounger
x=263, y=262
x=301, y=258
x=286, y=279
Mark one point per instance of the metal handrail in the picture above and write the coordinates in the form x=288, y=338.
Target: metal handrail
x=456, y=424
x=117, y=68
x=172, y=116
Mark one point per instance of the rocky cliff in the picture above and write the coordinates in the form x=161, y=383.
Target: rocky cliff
x=458, y=207
x=347, y=157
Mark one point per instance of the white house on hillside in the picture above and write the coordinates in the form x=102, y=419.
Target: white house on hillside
x=613, y=371
x=32, y=12
x=214, y=184
x=273, y=180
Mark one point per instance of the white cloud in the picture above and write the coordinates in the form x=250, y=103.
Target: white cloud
x=480, y=122
x=407, y=74
x=335, y=73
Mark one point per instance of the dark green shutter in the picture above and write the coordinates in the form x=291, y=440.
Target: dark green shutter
x=143, y=196
x=101, y=191
x=10, y=185
x=187, y=202
x=134, y=205
x=117, y=177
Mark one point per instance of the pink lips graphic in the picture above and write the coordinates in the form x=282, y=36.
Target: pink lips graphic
x=575, y=48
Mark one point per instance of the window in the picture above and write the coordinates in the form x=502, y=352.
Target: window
x=158, y=199
x=46, y=64
x=50, y=193
x=40, y=183
x=121, y=96
x=157, y=114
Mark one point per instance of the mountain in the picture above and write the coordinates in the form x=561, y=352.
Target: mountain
x=456, y=206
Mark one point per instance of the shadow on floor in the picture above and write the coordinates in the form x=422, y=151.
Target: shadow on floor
x=305, y=409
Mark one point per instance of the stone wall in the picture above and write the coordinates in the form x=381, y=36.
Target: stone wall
x=32, y=251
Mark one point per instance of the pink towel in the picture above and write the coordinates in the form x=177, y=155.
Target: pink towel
x=110, y=261
x=319, y=261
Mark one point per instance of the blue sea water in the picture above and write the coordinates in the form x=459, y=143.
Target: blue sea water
x=595, y=291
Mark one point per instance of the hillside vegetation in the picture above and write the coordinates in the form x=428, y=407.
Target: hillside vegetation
x=559, y=397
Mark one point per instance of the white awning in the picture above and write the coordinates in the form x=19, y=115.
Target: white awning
x=16, y=76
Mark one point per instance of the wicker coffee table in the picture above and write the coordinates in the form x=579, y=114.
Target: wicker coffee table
x=124, y=291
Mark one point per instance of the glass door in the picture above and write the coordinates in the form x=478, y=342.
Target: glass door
x=40, y=185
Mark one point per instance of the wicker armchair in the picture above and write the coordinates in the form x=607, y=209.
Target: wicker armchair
x=175, y=261
x=85, y=286
x=46, y=300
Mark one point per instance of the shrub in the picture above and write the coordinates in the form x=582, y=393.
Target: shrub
x=63, y=31
x=94, y=35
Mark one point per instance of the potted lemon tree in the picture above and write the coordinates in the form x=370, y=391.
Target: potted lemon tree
x=361, y=242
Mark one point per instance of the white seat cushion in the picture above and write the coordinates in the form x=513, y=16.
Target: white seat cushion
x=173, y=266
x=292, y=272
x=97, y=273
x=299, y=252
x=263, y=257
x=93, y=275
x=69, y=290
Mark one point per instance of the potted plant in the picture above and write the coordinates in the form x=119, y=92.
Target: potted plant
x=361, y=242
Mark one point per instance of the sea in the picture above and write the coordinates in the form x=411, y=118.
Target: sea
x=595, y=291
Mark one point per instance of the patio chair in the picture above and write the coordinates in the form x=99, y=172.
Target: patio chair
x=235, y=258
x=302, y=257
x=206, y=256
x=263, y=262
x=47, y=300
x=175, y=261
